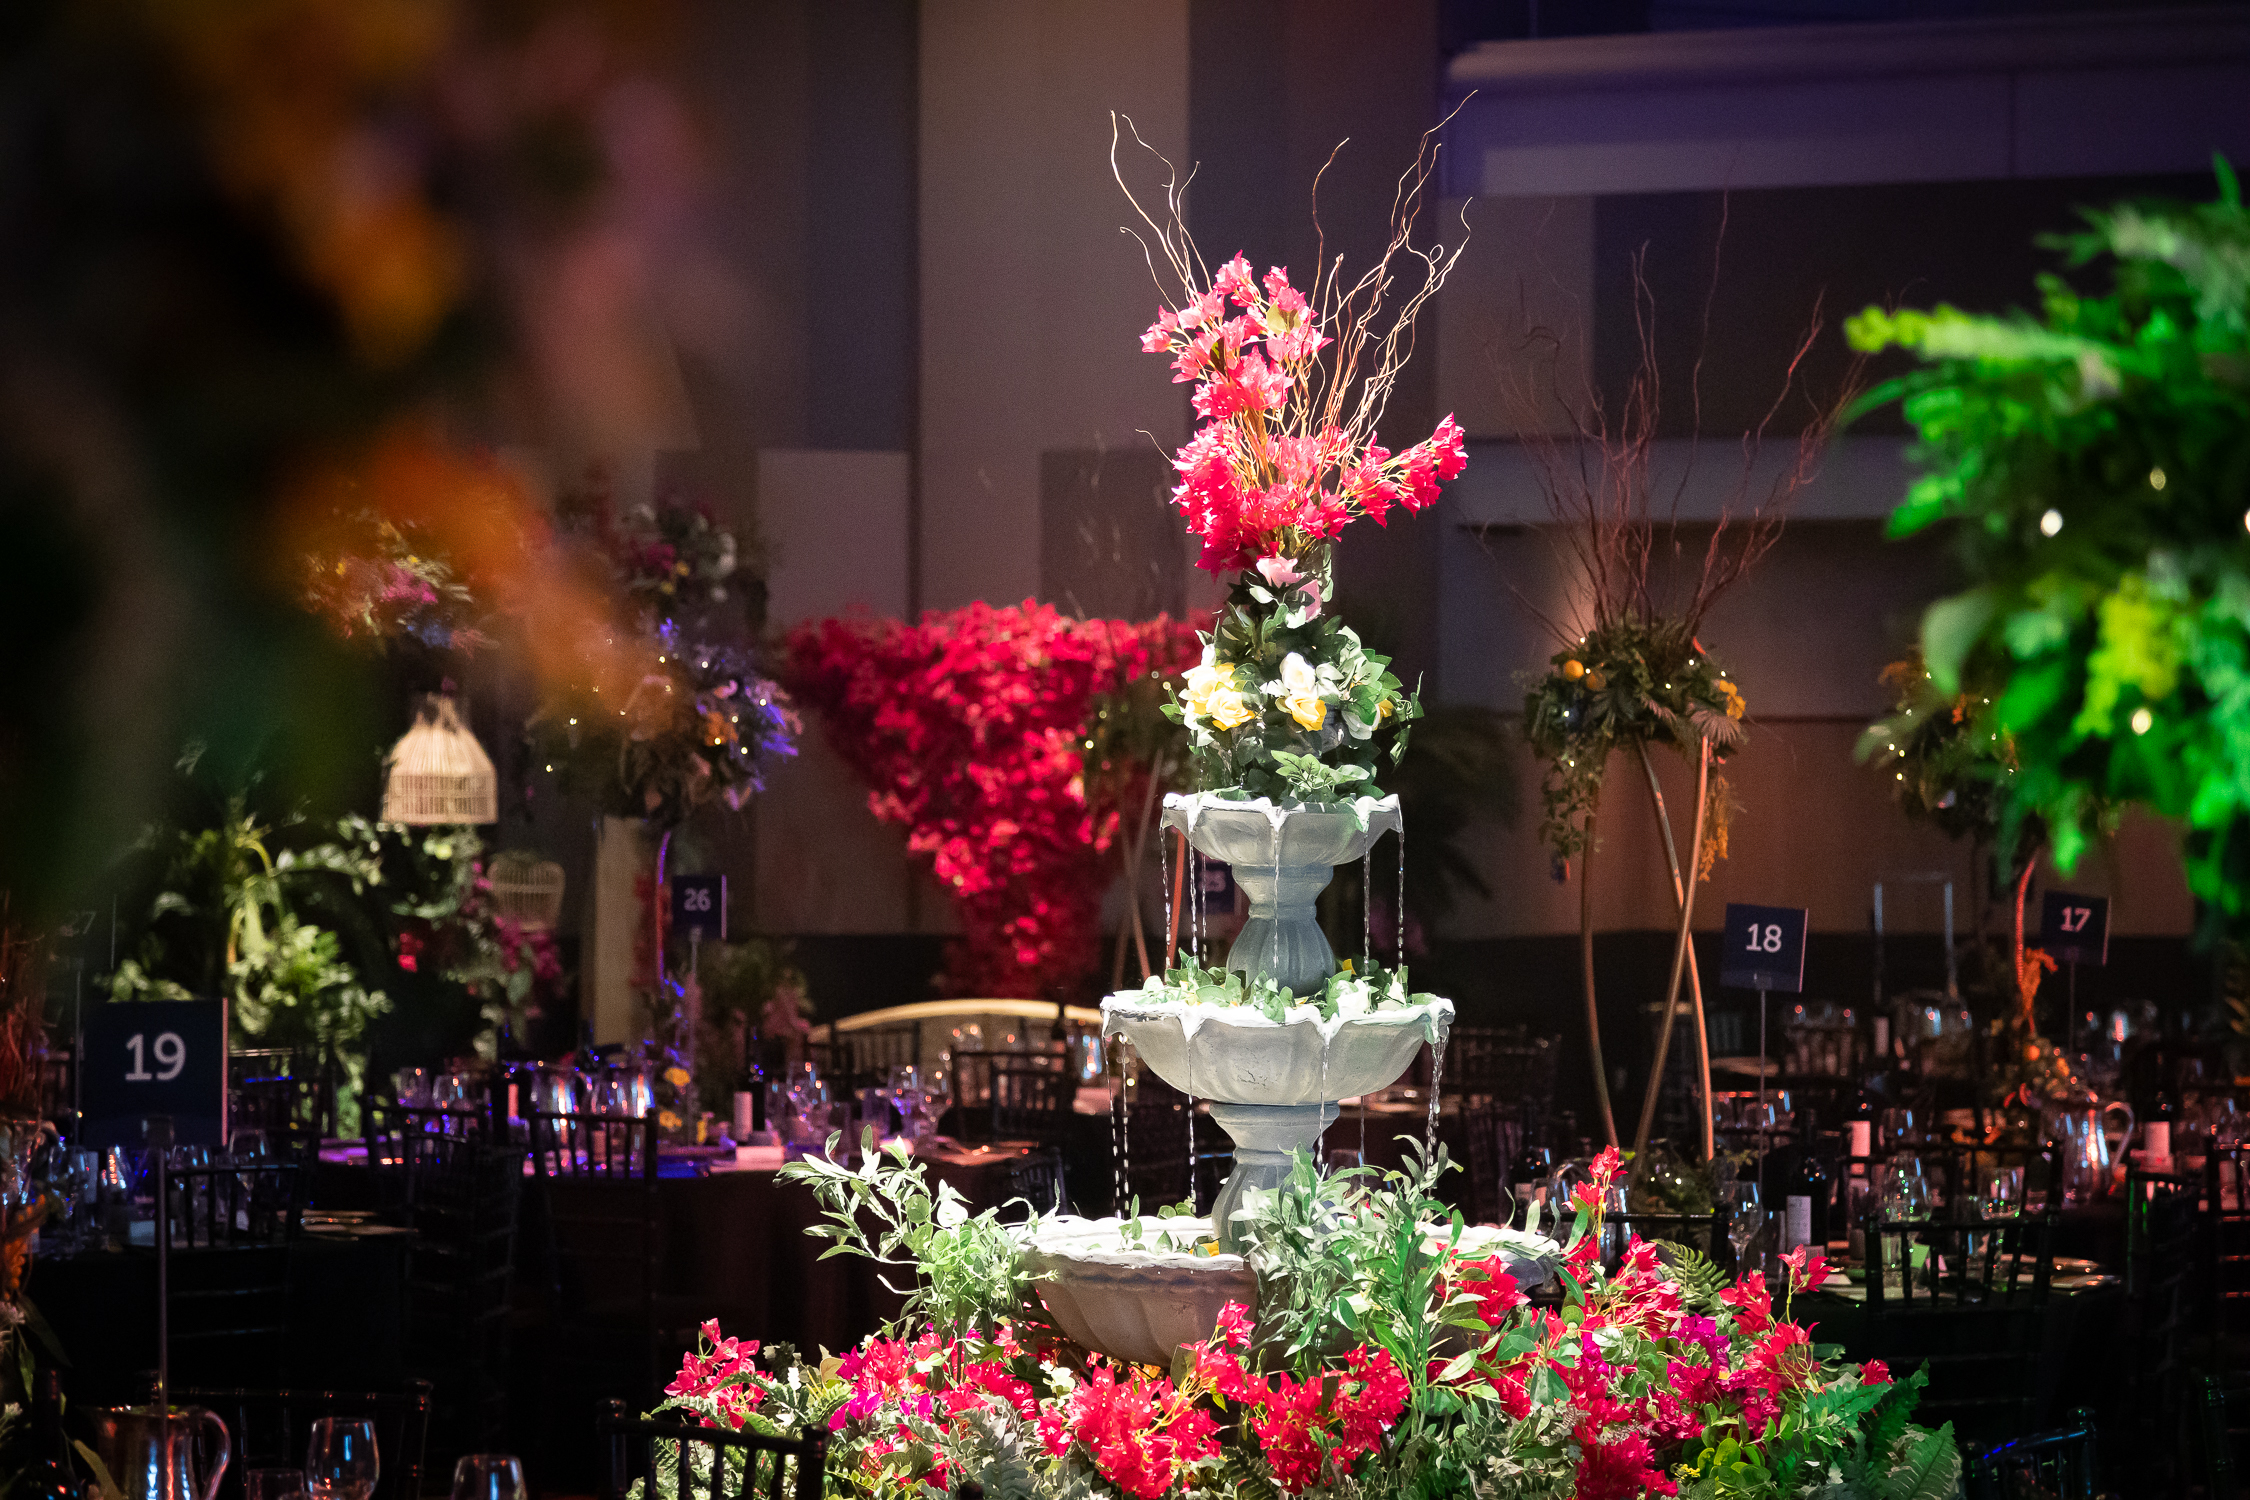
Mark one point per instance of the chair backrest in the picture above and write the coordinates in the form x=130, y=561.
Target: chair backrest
x=227, y=1208
x=1968, y=1262
x=2226, y=1245
x=459, y=1274
x=2224, y=1402
x=1486, y=1125
x=273, y=1428
x=597, y=1180
x=1155, y=1151
x=2163, y=1230
x=2057, y=1465
x=593, y=1145
x=1034, y=1185
x=678, y=1460
x=1512, y=1066
x=1030, y=1102
x=1979, y=1327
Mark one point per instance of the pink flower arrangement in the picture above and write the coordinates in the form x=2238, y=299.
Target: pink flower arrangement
x=970, y=727
x=1273, y=470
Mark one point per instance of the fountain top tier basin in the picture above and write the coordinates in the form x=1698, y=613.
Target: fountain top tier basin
x=1258, y=835
x=1235, y=1055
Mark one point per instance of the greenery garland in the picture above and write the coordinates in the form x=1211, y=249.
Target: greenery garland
x=1629, y=681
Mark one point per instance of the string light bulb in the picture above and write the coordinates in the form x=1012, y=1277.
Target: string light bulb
x=2050, y=523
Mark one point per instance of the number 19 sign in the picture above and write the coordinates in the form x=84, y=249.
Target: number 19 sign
x=1764, y=948
x=155, y=1057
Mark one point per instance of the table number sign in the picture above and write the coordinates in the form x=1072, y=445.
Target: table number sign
x=699, y=906
x=156, y=1057
x=1764, y=948
x=2074, y=928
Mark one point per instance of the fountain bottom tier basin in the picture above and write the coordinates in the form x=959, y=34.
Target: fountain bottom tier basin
x=1140, y=1295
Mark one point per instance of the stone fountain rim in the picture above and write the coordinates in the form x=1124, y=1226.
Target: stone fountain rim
x=1066, y=1236
x=1193, y=805
x=1193, y=1015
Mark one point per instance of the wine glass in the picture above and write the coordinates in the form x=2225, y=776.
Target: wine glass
x=273, y=1484
x=2003, y=1193
x=904, y=1088
x=342, y=1463
x=487, y=1476
x=1906, y=1193
x=1746, y=1217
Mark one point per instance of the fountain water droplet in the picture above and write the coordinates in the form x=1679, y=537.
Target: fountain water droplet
x=1400, y=959
x=1367, y=907
x=1437, y=1084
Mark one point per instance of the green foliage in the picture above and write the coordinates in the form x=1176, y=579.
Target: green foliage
x=967, y=1268
x=1283, y=750
x=1629, y=682
x=2092, y=467
x=1349, y=991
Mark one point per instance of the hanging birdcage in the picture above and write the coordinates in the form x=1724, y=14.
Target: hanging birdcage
x=527, y=889
x=438, y=771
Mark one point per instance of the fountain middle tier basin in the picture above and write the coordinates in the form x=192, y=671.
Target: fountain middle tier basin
x=1235, y=1055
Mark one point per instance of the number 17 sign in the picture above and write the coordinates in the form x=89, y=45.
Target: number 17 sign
x=1764, y=948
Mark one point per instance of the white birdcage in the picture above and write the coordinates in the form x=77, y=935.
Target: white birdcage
x=527, y=889
x=438, y=771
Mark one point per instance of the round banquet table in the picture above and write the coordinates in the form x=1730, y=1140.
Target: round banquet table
x=734, y=1242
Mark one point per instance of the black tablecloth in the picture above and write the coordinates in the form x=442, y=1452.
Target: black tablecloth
x=346, y=1308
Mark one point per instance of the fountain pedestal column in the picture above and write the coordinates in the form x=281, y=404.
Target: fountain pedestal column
x=1264, y=1135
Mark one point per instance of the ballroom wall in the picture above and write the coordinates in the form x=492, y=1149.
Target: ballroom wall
x=944, y=399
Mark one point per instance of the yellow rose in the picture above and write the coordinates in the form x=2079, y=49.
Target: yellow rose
x=1310, y=712
x=1228, y=709
x=1574, y=670
x=677, y=1077
x=666, y=1120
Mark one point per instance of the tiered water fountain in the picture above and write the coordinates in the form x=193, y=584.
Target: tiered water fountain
x=1273, y=1086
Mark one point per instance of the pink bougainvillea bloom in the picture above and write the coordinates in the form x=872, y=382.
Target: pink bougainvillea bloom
x=1235, y=281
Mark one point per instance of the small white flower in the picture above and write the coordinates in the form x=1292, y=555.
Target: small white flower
x=1297, y=676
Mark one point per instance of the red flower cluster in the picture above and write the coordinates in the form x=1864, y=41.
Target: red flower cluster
x=969, y=726
x=710, y=1374
x=1139, y=1431
x=1249, y=484
x=1336, y=1417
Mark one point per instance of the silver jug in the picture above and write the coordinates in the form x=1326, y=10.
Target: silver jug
x=154, y=1456
x=2085, y=1154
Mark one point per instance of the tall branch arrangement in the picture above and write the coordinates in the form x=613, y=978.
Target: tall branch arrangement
x=1631, y=671
x=1291, y=385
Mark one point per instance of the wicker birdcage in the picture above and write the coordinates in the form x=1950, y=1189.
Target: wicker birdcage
x=527, y=889
x=438, y=771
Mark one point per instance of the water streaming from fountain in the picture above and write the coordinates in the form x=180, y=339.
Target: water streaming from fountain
x=1437, y=1082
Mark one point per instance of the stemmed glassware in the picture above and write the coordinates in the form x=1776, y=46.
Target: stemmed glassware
x=1906, y=1193
x=903, y=1088
x=1746, y=1217
x=342, y=1463
x=273, y=1484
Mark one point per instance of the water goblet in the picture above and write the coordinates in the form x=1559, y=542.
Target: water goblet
x=413, y=1086
x=487, y=1476
x=1746, y=1217
x=2003, y=1193
x=341, y=1462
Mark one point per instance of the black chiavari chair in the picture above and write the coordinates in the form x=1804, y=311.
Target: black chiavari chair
x=231, y=1231
x=679, y=1460
x=2057, y=1465
x=1974, y=1310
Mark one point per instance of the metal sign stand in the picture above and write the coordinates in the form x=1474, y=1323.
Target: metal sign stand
x=160, y=1145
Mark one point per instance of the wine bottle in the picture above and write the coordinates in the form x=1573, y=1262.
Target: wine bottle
x=1806, y=1201
x=1859, y=1132
x=2156, y=1130
x=1528, y=1173
x=52, y=1475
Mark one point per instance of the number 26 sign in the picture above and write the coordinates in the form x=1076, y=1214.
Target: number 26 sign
x=1764, y=948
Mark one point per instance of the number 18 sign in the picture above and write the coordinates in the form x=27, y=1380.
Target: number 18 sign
x=1764, y=948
